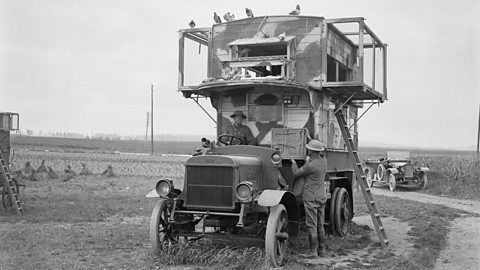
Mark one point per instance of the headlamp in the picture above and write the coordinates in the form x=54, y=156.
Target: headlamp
x=164, y=187
x=244, y=191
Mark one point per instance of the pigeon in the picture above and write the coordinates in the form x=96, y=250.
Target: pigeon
x=192, y=24
x=296, y=11
x=249, y=12
x=216, y=18
x=282, y=36
x=229, y=17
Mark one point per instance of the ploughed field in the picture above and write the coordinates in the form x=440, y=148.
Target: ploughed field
x=102, y=222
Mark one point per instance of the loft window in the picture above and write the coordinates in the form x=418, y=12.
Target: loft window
x=336, y=71
x=262, y=50
x=262, y=57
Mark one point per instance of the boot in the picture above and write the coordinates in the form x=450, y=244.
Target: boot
x=313, y=245
x=321, y=244
x=322, y=252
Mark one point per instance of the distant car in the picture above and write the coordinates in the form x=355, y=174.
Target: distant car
x=396, y=168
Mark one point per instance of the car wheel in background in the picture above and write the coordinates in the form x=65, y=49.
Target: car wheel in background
x=392, y=182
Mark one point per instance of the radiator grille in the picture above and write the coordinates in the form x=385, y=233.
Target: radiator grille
x=408, y=170
x=209, y=187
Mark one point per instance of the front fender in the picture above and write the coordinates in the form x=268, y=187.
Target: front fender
x=271, y=198
x=152, y=194
x=424, y=169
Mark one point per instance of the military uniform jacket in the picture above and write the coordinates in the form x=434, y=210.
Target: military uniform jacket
x=314, y=174
x=243, y=132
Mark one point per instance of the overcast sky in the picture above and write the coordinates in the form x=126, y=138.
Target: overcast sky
x=87, y=66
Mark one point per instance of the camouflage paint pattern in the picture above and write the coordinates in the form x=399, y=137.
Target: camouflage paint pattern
x=306, y=30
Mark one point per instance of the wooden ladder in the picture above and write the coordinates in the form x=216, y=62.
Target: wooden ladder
x=367, y=193
x=9, y=185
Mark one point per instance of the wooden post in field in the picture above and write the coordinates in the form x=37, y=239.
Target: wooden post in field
x=478, y=134
x=151, y=119
x=146, y=132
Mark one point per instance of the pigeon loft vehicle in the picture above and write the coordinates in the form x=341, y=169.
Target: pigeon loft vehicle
x=10, y=187
x=295, y=78
x=396, y=168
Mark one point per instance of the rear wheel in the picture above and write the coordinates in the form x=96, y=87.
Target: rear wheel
x=342, y=212
x=331, y=212
x=369, y=177
x=6, y=199
x=392, y=182
x=160, y=229
x=276, y=236
x=381, y=172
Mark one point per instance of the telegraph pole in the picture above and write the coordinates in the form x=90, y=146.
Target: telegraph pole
x=146, y=132
x=478, y=136
x=151, y=118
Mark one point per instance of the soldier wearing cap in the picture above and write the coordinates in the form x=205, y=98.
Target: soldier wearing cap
x=314, y=195
x=240, y=130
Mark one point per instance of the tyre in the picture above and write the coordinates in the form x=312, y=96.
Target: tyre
x=369, y=177
x=331, y=212
x=276, y=236
x=160, y=229
x=343, y=213
x=6, y=199
x=392, y=182
x=381, y=172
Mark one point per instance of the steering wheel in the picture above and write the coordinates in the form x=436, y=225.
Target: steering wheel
x=229, y=139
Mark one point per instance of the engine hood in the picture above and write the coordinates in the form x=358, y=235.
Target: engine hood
x=224, y=160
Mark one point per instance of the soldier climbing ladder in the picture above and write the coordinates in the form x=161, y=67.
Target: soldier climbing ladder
x=367, y=193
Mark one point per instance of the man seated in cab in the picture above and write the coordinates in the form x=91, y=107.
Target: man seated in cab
x=240, y=130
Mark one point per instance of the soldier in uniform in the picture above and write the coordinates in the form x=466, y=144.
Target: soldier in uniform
x=240, y=130
x=314, y=195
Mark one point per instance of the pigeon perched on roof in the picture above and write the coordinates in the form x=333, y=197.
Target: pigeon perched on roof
x=296, y=11
x=216, y=18
x=192, y=24
x=229, y=17
x=249, y=12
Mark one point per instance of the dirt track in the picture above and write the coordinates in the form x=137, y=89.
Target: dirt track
x=463, y=250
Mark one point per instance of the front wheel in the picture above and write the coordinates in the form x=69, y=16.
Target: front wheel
x=392, y=182
x=276, y=236
x=160, y=229
x=342, y=212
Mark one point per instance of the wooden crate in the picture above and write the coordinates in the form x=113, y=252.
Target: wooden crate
x=290, y=141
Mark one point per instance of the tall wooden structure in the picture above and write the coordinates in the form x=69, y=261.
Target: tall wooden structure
x=289, y=72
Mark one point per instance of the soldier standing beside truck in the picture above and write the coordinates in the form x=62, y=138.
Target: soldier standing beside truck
x=314, y=195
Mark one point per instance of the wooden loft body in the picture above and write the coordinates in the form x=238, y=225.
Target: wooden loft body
x=297, y=52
